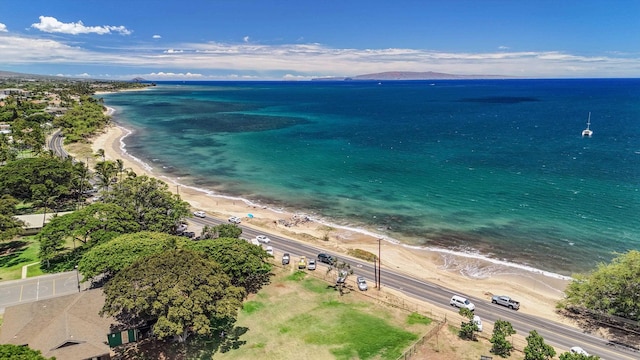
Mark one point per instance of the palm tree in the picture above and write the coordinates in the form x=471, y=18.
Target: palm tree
x=100, y=153
x=344, y=270
x=105, y=170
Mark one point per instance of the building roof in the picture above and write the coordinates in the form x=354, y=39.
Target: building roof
x=67, y=327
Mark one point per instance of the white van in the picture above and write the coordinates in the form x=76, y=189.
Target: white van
x=478, y=322
x=460, y=302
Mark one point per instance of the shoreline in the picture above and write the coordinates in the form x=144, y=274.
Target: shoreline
x=469, y=274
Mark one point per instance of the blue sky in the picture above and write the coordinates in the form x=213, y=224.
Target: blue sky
x=303, y=39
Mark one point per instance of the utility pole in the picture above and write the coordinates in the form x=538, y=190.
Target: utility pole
x=77, y=277
x=375, y=270
x=379, y=264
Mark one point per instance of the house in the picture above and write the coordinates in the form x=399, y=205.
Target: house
x=67, y=327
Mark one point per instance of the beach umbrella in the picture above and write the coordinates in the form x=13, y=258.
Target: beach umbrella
x=250, y=216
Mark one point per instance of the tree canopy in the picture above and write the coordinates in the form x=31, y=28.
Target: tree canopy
x=10, y=226
x=19, y=352
x=612, y=288
x=150, y=203
x=467, y=328
x=245, y=263
x=83, y=120
x=536, y=348
x=111, y=257
x=33, y=179
x=221, y=231
x=180, y=292
x=500, y=345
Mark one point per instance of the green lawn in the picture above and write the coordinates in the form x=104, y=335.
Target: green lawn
x=301, y=317
x=17, y=253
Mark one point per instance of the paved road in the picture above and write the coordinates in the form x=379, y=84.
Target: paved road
x=558, y=335
x=55, y=144
x=37, y=288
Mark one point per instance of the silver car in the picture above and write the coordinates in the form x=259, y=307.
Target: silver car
x=311, y=265
x=362, y=283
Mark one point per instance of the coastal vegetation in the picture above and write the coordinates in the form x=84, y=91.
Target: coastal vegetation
x=611, y=289
x=126, y=238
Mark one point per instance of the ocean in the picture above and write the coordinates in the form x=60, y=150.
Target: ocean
x=495, y=169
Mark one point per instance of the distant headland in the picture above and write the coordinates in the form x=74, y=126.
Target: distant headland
x=409, y=75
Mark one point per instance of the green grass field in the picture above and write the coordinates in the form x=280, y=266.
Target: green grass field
x=301, y=317
x=17, y=253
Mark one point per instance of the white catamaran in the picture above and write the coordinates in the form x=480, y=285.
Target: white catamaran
x=588, y=132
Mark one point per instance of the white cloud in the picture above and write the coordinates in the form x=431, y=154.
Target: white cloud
x=157, y=37
x=502, y=47
x=3, y=27
x=52, y=25
x=303, y=61
x=245, y=39
x=171, y=75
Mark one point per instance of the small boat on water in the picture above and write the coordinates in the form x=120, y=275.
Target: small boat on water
x=588, y=132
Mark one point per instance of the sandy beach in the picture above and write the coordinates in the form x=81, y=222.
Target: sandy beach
x=537, y=292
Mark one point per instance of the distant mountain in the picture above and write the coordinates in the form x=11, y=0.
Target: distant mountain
x=411, y=75
x=22, y=76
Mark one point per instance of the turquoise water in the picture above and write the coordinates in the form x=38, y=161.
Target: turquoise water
x=496, y=168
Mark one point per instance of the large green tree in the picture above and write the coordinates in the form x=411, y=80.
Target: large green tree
x=111, y=257
x=19, y=352
x=245, y=263
x=612, y=288
x=150, y=202
x=536, y=348
x=181, y=292
x=468, y=328
x=221, y=231
x=500, y=345
x=53, y=177
x=91, y=225
x=10, y=226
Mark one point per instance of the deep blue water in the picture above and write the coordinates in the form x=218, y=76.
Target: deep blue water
x=495, y=167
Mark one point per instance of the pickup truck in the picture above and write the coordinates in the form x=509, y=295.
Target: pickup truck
x=506, y=301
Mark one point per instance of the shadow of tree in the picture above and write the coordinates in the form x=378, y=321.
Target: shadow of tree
x=10, y=252
x=199, y=347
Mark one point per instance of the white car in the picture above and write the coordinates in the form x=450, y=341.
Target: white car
x=235, y=220
x=478, y=322
x=578, y=350
x=199, y=214
x=311, y=265
x=461, y=302
x=269, y=250
x=362, y=283
x=263, y=239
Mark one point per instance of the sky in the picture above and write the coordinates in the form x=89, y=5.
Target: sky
x=304, y=39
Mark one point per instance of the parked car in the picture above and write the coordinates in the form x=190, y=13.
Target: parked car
x=235, y=220
x=188, y=234
x=311, y=265
x=506, y=301
x=325, y=258
x=461, y=302
x=199, y=214
x=478, y=322
x=263, y=239
x=269, y=250
x=285, y=259
x=302, y=263
x=342, y=277
x=362, y=283
x=181, y=228
x=578, y=350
